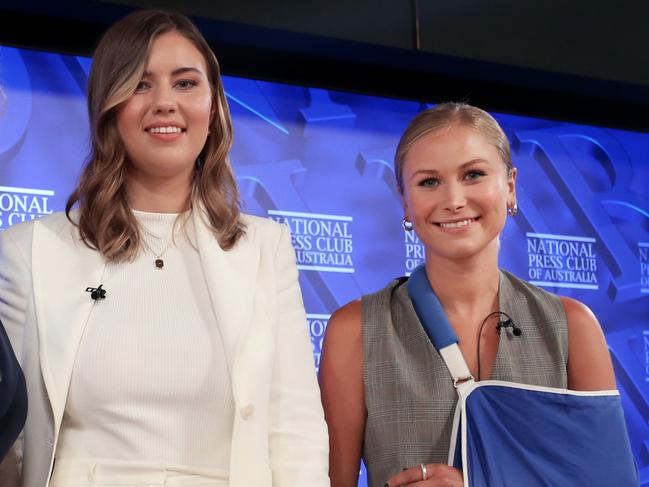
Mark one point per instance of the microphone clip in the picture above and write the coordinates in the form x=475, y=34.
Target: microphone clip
x=96, y=293
x=509, y=323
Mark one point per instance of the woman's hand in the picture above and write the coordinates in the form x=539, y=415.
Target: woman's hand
x=429, y=475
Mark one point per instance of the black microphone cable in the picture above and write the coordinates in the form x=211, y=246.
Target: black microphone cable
x=508, y=323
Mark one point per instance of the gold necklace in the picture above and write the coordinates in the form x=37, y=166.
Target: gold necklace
x=159, y=260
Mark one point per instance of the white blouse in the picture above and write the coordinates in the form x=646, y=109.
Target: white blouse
x=150, y=382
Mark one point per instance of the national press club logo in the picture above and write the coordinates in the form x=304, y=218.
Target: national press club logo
x=645, y=348
x=322, y=243
x=562, y=261
x=643, y=256
x=23, y=204
x=414, y=251
x=317, y=326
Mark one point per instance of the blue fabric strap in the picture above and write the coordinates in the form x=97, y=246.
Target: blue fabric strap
x=429, y=310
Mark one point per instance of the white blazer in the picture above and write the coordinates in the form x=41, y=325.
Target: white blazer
x=279, y=436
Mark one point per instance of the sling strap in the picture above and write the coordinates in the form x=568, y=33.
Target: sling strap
x=437, y=327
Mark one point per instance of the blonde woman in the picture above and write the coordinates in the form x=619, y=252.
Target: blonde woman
x=387, y=393
x=162, y=332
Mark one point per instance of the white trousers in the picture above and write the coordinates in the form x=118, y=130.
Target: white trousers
x=99, y=472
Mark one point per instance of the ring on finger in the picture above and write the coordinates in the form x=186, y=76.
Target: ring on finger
x=424, y=471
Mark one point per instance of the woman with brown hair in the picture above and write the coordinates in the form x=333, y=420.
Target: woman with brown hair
x=162, y=332
x=387, y=393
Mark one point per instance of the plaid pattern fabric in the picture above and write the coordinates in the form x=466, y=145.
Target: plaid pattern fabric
x=409, y=392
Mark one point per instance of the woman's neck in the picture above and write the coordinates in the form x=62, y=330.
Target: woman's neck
x=158, y=197
x=465, y=286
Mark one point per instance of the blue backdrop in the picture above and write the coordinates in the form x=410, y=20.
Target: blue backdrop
x=321, y=162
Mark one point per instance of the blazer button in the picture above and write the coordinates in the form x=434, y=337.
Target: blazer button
x=247, y=411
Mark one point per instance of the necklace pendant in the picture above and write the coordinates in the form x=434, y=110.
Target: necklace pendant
x=159, y=263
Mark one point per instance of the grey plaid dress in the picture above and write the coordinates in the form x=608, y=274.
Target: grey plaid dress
x=409, y=393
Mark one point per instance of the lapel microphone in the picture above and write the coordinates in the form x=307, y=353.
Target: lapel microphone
x=509, y=323
x=96, y=293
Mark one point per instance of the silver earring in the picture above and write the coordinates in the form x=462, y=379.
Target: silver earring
x=512, y=210
x=406, y=224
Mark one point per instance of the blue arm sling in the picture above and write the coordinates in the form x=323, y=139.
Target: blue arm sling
x=510, y=434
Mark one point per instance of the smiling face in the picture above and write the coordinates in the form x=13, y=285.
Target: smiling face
x=456, y=191
x=165, y=124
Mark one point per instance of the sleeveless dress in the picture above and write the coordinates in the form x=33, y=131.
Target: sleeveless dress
x=409, y=392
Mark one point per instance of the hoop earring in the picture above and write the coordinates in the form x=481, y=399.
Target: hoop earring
x=512, y=210
x=406, y=224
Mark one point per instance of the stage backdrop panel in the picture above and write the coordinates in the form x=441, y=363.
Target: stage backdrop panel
x=320, y=162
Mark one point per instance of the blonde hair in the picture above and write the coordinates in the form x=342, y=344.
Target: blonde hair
x=105, y=221
x=445, y=115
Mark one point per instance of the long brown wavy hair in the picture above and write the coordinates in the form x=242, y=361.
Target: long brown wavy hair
x=105, y=221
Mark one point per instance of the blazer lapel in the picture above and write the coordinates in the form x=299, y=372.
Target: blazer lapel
x=62, y=269
x=231, y=277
